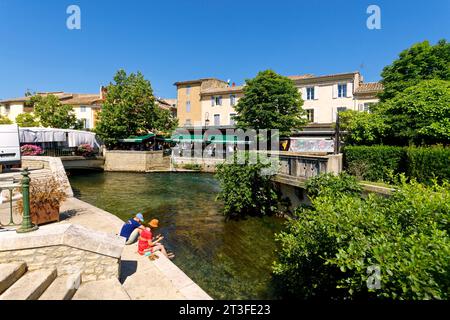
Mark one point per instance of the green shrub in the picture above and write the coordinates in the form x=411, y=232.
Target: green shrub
x=331, y=184
x=192, y=166
x=374, y=163
x=245, y=191
x=326, y=252
x=426, y=164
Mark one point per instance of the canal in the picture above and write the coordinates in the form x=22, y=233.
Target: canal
x=228, y=259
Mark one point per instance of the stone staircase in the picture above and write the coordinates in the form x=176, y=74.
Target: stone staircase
x=16, y=283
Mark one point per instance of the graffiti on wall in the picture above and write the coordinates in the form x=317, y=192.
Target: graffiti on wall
x=311, y=145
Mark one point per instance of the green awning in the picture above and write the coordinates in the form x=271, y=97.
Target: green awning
x=187, y=138
x=137, y=139
x=163, y=139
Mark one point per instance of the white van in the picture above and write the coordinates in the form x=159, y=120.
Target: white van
x=9, y=145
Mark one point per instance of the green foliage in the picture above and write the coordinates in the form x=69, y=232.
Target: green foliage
x=420, y=62
x=245, y=191
x=270, y=101
x=5, y=120
x=363, y=127
x=374, y=163
x=130, y=109
x=419, y=115
x=426, y=164
x=52, y=113
x=333, y=184
x=383, y=163
x=27, y=120
x=327, y=250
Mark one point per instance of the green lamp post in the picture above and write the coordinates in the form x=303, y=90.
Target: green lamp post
x=27, y=225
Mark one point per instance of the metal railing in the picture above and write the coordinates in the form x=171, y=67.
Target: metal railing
x=26, y=225
x=57, y=149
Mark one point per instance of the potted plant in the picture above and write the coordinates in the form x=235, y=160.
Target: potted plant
x=46, y=196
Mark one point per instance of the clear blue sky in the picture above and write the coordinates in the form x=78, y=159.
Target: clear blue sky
x=171, y=41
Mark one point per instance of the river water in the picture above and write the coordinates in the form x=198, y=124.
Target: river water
x=228, y=259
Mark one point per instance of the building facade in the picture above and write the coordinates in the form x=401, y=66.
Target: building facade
x=324, y=96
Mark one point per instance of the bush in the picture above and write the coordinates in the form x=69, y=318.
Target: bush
x=328, y=250
x=31, y=150
x=426, y=164
x=331, y=184
x=381, y=163
x=245, y=191
x=378, y=163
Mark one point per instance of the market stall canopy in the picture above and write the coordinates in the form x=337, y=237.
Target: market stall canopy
x=137, y=139
x=73, y=138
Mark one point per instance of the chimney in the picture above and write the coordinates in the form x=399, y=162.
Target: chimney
x=103, y=92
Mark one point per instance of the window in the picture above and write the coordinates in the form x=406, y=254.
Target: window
x=310, y=115
x=212, y=101
x=218, y=100
x=232, y=121
x=340, y=109
x=85, y=123
x=188, y=90
x=232, y=100
x=367, y=106
x=342, y=90
x=310, y=93
x=217, y=119
x=188, y=106
x=82, y=109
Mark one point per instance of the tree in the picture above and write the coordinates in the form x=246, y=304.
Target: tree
x=366, y=128
x=271, y=101
x=5, y=120
x=52, y=113
x=245, y=191
x=420, y=62
x=419, y=115
x=130, y=109
x=27, y=120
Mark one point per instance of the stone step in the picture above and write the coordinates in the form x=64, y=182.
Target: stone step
x=10, y=273
x=63, y=288
x=30, y=286
x=109, y=289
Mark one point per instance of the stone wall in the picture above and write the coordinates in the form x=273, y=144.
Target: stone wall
x=206, y=164
x=53, y=164
x=136, y=161
x=67, y=260
x=69, y=248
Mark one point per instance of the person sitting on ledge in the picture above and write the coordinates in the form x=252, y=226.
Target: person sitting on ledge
x=132, y=228
x=147, y=246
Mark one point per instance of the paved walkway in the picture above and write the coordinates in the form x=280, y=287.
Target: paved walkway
x=141, y=278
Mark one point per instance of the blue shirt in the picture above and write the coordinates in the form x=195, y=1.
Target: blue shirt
x=129, y=227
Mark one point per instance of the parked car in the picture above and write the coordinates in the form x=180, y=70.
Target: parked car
x=9, y=145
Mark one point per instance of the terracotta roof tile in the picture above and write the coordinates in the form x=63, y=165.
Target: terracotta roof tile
x=369, y=87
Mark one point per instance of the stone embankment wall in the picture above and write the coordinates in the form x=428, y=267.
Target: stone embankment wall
x=136, y=161
x=69, y=248
x=51, y=163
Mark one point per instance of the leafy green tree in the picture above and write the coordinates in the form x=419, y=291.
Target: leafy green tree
x=27, y=120
x=5, y=120
x=130, y=109
x=52, y=113
x=420, y=62
x=418, y=115
x=362, y=127
x=245, y=191
x=271, y=101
